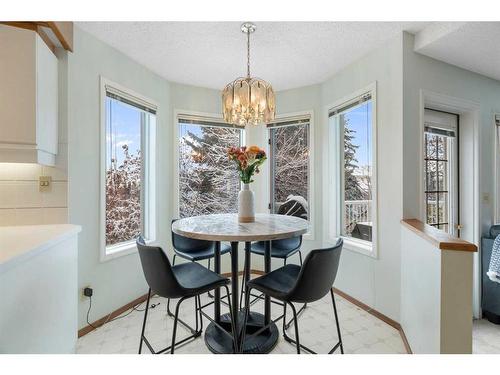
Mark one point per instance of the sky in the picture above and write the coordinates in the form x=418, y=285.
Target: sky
x=123, y=126
x=360, y=121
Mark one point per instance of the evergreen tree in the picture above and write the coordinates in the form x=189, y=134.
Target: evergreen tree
x=353, y=189
x=208, y=180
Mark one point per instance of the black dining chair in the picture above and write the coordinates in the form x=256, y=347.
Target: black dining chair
x=184, y=281
x=194, y=250
x=281, y=249
x=306, y=284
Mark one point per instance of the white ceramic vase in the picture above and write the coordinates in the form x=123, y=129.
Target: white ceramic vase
x=246, y=205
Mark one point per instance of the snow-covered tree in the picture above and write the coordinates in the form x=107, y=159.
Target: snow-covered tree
x=353, y=189
x=290, y=158
x=208, y=180
x=123, y=198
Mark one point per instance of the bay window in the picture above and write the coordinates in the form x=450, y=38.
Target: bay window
x=289, y=166
x=127, y=160
x=208, y=182
x=353, y=134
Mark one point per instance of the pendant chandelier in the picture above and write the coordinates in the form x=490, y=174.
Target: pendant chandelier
x=248, y=100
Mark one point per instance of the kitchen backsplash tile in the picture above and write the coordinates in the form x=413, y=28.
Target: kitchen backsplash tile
x=22, y=203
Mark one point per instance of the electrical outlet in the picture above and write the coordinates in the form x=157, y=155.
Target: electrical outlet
x=44, y=183
x=87, y=291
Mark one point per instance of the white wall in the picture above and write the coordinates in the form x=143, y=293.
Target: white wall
x=375, y=282
x=420, y=292
x=120, y=280
x=422, y=72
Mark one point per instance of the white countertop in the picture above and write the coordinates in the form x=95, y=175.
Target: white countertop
x=18, y=243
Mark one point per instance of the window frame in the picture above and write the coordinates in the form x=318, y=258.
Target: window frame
x=451, y=188
x=334, y=183
x=203, y=116
x=309, y=114
x=149, y=171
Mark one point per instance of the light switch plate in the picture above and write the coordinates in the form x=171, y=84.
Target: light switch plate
x=44, y=183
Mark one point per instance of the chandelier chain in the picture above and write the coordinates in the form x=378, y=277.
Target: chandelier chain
x=248, y=54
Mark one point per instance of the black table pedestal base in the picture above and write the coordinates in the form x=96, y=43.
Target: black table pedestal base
x=264, y=342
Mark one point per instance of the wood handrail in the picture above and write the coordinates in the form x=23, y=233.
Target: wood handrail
x=438, y=238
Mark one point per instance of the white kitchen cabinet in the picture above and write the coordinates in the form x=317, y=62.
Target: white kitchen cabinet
x=28, y=98
x=39, y=289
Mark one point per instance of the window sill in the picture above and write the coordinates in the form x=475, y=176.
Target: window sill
x=359, y=246
x=121, y=249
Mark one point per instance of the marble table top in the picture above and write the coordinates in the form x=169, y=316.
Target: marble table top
x=225, y=227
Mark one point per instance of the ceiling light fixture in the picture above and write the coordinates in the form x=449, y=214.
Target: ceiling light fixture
x=248, y=100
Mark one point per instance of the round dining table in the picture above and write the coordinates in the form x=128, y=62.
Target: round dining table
x=225, y=227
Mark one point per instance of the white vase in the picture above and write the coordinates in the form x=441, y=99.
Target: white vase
x=246, y=205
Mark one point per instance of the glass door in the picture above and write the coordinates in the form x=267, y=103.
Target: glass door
x=441, y=186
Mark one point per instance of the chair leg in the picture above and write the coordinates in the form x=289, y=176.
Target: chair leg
x=144, y=322
x=201, y=315
x=243, y=281
x=245, y=319
x=174, y=331
x=338, y=325
x=246, y=268
x=210, y=295
x=233, y=328
x=168, y=300
x=296, y=328
x=289, y=339
x=196, y=312
x=301, y=310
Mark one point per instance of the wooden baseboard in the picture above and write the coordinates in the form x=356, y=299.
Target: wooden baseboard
x=114, y=314
x=346, y=296
x=128, y=306
x=378, y=315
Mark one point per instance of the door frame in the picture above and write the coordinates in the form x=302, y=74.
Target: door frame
x=470, y=205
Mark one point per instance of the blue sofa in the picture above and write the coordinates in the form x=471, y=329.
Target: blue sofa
x=490, y=301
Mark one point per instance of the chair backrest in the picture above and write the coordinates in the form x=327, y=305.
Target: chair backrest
x=317, y=274
x=158, y=271
x=290, y=244
x=189, y=245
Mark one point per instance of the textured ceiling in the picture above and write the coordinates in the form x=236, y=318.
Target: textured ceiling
x=210, y=54
x=472, y=45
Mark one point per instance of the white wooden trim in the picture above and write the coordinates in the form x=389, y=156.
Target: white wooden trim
x=110, y=252
x=331, y=183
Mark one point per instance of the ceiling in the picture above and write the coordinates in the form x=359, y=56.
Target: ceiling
x=211, y=54
x=470, y=45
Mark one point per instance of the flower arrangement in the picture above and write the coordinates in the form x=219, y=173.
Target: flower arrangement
x=248, y=160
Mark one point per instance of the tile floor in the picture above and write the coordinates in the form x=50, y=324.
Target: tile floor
x=361, y=331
